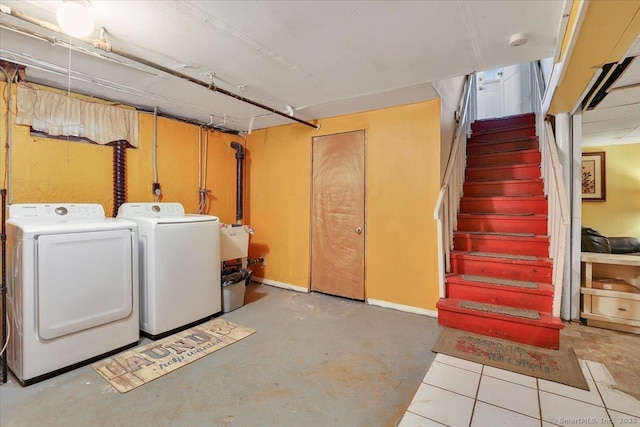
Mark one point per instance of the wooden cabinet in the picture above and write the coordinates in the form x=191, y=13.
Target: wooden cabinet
x=611, y=291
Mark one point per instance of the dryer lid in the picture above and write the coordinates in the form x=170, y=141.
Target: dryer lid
x=56, y=211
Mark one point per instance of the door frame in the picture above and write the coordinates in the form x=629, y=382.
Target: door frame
x=366, y=204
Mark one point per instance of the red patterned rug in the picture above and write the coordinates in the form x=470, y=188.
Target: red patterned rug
x=560, y=366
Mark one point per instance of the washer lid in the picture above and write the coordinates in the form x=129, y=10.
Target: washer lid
x=151, y=214
x=187, y=219
x=151, y=210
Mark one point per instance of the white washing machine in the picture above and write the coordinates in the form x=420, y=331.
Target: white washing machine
x=179, y=266
x=72, y=295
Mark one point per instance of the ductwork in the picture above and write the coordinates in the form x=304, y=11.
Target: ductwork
x=239, y=179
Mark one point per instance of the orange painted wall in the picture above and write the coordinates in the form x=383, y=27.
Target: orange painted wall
x=402, y=184
x=47, y=170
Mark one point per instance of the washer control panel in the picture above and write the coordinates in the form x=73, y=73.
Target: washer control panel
x=58, y=211
x=151, y=210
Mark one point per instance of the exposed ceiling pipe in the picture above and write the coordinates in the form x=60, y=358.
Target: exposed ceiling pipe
x=103, y=45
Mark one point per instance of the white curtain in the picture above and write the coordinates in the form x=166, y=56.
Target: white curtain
x=60, y=115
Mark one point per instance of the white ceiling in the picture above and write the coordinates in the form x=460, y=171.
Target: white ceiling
x=616, y=119
x=322, y=58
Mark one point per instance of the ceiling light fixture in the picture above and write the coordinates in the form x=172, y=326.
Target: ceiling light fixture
x=75, y=19
x=518, y=39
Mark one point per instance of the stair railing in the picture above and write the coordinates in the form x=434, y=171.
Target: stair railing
x=558, y=216
x=448, y=203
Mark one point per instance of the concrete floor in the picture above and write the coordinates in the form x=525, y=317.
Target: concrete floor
x=315, y=360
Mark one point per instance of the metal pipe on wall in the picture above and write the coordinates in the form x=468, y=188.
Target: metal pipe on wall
x=8, y=168
x=119, y=175
x=103, y=45
x=3, y=289
x=239, y=180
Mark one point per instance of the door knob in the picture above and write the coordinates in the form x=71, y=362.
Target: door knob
x=359, y=230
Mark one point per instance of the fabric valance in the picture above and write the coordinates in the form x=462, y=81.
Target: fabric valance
x=60, y=115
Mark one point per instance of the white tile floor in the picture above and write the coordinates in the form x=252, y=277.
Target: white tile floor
x=457, y=392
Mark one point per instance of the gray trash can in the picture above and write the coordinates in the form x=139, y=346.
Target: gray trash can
x=234, y=286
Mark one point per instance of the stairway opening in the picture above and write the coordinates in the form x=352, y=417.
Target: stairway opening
x=500, y=283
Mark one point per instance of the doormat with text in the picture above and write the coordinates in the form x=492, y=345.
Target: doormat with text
x=133, y=368
x=560, y=366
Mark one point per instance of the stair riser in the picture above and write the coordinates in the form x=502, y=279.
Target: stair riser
x=505, y=329
x=524, y=119
x=507, y=225
x=470, y=205
x=478, y=189
x=482, y=148
x=503, y=270
x=501, y=134
x=516, y=157
x=508, y=172
x=501, y=246
x=509, y=297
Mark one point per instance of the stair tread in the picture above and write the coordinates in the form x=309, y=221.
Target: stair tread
x=520, y=286
x=499, y=215
x=510, y=166
x=546, y=319
x=530, y=150
x=499, y=255
x=500, y=234
x=501, y=309
x=505, y=214
x=513, y=150
x=504, y=118
x=496, y=255
x=498, y=281
x=503, y=140
x=499, y=129
x=538, y=197
x=506, y=181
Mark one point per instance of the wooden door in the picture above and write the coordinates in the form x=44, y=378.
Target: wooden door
x=337, y=215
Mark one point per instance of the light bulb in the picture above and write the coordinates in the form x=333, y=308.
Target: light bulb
x=75, y=19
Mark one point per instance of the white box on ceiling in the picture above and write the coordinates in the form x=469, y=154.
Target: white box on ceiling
x=234, y=243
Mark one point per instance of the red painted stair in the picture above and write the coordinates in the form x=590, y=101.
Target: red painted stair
x=500, y=283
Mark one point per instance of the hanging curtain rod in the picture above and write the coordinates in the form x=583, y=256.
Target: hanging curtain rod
x=103, y=45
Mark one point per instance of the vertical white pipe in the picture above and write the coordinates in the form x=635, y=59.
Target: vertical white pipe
x=199, y=158
x=563, y=142
x=155, y=145
x=204, y=171
x=575, y=196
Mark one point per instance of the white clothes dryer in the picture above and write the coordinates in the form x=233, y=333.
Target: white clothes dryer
x=179, y=266
x=72, y=287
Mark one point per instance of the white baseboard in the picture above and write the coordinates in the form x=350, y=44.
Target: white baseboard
x=279, y=284
x=401, y=307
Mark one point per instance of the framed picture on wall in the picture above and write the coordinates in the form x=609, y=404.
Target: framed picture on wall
x=593, y=177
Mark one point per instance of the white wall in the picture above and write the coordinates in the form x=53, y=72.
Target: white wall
x=450, y=91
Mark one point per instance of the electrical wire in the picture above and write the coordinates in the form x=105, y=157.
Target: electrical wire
x=203, y=152
x=6, y=343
